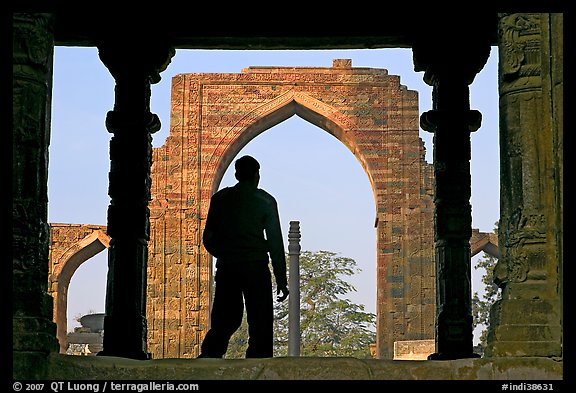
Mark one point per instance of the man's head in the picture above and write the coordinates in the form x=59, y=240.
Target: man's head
x=247, y=169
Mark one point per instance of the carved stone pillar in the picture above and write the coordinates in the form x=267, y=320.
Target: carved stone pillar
x=527, y=320
x=134, y=69
x=451, y=121
x=34, y=333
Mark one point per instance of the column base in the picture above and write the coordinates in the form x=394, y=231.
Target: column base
x=125, y=337
x=452, y=356
x=525, y=327
x=31, y=334
x=30, y=365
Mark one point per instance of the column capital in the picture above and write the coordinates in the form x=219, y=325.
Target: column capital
x=439, y=64
x=135, y=66
x=130, y=60
x=436, y=54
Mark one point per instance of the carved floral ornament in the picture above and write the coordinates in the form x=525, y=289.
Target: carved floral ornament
x=521, y=45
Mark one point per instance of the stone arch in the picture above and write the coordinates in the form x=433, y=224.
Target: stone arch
x=482, y=241
x=214, y=115
x=71, y=246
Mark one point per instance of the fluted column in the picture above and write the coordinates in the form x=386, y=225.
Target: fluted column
x=134, y=69
x=452, y=121
x=294, y=300
x=34, y=333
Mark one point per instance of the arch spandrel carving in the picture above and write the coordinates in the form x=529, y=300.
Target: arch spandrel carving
x=265, y=117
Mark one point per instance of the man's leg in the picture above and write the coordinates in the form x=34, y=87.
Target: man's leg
x=226, y=317
x=260, y=314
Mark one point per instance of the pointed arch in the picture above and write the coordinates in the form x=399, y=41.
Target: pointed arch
x=215, y=115
x=65, y=268
x=274, y=112
x=487, y=242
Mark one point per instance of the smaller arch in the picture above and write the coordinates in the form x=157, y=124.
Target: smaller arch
x=483, y=241
x=67, y=265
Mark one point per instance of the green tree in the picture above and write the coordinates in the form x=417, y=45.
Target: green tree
x=481, y=305
x=330, y=324
x=238, y=342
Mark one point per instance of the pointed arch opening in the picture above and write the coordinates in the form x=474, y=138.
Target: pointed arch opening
x=67, y=265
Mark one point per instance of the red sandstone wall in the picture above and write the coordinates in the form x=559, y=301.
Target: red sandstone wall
x=214, y=115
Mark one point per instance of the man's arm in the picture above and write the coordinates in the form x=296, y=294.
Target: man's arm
x=276, y=250
x=210, y=237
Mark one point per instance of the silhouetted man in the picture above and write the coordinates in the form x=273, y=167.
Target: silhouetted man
x=243, y=232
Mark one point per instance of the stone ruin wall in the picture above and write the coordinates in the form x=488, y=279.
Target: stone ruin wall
x=214, y=115
x=70, y=246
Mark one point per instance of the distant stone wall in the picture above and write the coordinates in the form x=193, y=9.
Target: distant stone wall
x=70, y=246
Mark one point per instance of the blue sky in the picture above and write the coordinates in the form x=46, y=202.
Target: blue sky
x=310, y=180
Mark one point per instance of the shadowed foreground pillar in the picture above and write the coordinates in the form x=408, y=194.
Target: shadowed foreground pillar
x=134, y=69
x=527, y=320
x=451, y=121
x=34, y=333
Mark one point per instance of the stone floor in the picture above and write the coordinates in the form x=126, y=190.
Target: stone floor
x=65, y=367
